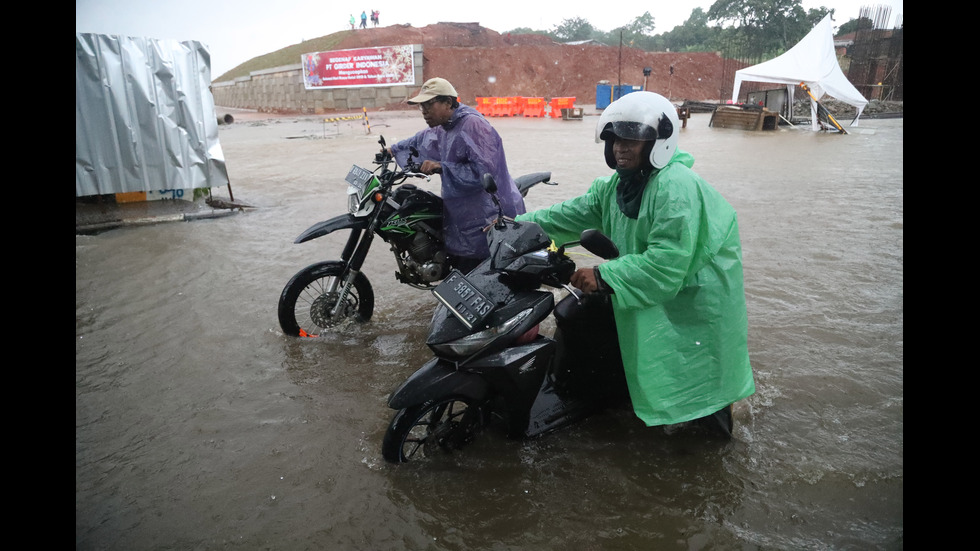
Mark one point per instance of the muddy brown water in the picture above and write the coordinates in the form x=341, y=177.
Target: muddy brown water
x=198, y=425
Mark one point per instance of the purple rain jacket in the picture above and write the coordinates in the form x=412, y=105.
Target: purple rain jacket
x=467, y=147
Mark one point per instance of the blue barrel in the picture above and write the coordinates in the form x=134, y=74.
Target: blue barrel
x=607, y=93
x=603, y=96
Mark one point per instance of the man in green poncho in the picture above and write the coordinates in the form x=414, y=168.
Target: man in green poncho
x=676, y=289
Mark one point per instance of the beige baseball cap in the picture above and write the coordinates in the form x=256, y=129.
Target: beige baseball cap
x=432, y=88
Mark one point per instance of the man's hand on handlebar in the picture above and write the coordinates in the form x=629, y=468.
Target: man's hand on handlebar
x=427, y=167
x=431, y=167
x=584, y=279
x=590, y=281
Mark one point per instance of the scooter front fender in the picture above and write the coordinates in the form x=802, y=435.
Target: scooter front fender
x=342, y=222
x=438, y=379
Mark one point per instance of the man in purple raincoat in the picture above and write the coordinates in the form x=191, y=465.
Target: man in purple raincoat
x=460, y=145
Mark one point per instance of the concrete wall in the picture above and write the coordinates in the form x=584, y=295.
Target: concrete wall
x=281, y=90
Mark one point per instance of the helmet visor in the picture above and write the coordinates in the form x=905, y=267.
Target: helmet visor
x=628, y=130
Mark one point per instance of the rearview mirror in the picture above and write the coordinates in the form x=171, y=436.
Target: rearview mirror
x=598, y=244
x=489, y=184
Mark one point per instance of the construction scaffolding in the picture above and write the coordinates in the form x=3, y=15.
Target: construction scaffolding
x=876, y=63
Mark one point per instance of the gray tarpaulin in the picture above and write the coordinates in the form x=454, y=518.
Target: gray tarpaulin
x=144, y=116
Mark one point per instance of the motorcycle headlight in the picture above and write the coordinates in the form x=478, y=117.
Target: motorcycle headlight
x=473, y=343
x=353, y=200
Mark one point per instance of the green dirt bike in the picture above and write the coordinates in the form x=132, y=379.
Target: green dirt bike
x=381, y=203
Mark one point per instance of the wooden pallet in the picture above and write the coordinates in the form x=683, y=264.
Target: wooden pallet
x=744, y=119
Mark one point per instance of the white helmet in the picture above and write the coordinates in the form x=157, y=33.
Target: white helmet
x=640, y=116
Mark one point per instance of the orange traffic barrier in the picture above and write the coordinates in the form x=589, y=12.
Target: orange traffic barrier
x=484, y=106
x=533, y=107
x=520, y=104
x=505, y=107
x=557, y=104
x=513, y=106
x=499, y=107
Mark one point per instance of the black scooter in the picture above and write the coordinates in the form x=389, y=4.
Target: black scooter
x=490, y=363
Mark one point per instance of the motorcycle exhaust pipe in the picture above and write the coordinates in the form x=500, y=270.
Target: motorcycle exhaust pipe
x=226, y=119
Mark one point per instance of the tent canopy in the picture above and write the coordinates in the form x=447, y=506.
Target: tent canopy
x=812, y=61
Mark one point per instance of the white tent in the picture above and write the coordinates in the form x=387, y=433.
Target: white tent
x=812, y=61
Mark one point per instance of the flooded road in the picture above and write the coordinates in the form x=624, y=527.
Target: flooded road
x=198, y=425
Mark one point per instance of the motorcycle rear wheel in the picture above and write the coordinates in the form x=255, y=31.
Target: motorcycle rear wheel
x=306, y=302
x=439, y=427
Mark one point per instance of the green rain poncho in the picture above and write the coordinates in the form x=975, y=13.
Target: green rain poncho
x=678, y=299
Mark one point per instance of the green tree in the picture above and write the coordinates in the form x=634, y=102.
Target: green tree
x=693, y=35
x=570, y=30
x=854, y=25
x=643, y=25
x=637, y=33
x=739, y=28
x=528, y=30
x=766, y=27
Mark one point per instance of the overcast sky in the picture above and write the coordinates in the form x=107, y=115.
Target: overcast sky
x=238, y=30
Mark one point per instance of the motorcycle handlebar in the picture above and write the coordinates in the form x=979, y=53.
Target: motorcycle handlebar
x=385, y=157
x=417, y=175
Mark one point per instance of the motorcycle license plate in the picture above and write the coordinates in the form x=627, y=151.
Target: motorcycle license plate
x=358, y=177
x=463, y=299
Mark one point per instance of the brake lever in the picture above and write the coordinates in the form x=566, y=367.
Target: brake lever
x=573, y=290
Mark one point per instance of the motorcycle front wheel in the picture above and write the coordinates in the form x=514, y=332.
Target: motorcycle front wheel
x=307, y=301
x=439, y=427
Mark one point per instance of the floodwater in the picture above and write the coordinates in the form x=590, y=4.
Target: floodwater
x=198, y=425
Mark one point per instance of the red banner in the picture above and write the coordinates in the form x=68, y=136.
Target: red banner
x=383, y=66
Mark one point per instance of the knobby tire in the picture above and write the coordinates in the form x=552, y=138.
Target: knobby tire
x=304, y=300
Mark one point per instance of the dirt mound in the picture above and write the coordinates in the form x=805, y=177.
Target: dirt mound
x=482, y=62
x=444, y=35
